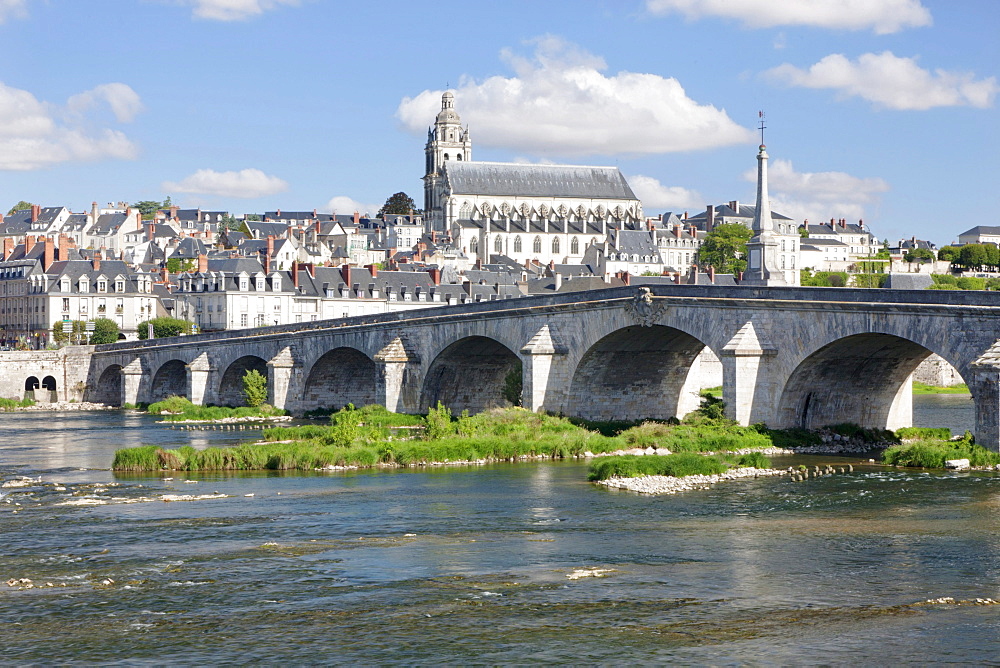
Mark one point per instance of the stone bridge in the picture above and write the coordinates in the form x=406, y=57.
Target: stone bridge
x=790, y=357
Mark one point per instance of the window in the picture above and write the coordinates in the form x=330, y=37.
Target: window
x=102, y=286
x=536, y=245
x=119, y=286
x=474, y=245
x=517, y=244
x=65, y=304
x=555, y=245
x=574, y=246
x=243, y=320
x=498, y=245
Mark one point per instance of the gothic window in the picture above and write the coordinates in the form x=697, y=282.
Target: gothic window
x=465, y=212
x=536, y=246
x=574, y=246
x=555, y=245
x=517, y=244
x=498, y=245
x=474, y=245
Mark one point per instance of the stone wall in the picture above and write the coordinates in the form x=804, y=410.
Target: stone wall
x=936, y=371
x=67, y=367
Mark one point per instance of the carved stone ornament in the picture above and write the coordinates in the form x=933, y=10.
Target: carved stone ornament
x=642, y=307
x=543, y=210
x=601, y=211
x=485, y=208
x=562, y=210
x=505, y=209
x=525, y=209
x=581, y=211
x=618, y=212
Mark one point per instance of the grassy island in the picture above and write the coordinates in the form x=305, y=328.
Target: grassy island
x=180, y=409
x=921, y=388
x=931, y=448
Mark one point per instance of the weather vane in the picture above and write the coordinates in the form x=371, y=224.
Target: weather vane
x=762, y=126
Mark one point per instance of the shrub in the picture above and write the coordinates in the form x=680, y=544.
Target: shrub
x=439, y=422
x=755, y=460
x=933, y=454
x=923, y=433
x=254, y=388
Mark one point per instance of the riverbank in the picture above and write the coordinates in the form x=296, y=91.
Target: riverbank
x=59, y=406
x=661, y=484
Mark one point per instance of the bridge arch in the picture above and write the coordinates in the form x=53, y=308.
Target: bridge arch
x=474, y=373
x=49, y=383
x=31, y=383
x=169, y=380
x=339, y=377
x=860, y=378
x=109, y=387
x=231, y=386
x=637, y=372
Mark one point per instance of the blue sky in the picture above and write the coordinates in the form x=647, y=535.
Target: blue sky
x=877, y=109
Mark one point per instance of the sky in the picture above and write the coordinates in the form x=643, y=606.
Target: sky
x=881, y=110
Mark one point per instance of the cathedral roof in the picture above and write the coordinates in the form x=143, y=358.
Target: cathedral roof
x=505, y=179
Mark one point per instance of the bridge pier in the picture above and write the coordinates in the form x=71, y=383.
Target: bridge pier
x=544, y=378
x=747, y=386
x=132, y=374
x=984, y=383
x=399, y=379
x=280, y=372
x=200, y=373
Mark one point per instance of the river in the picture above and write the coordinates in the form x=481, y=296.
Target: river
x=514, y=563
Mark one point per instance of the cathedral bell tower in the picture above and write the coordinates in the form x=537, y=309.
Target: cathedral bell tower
x=447, y=140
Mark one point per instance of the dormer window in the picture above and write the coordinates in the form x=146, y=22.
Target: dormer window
x=244, y=284
x=260, y=284
x=119, y=285
x=64, y=285
x=102, y=286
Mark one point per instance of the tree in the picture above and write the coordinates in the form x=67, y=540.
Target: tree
x=254, y=388
x=400, y=203
x=229, y=222
x=149, y=207
x=105, y=331
x=803, y=232
x=164, y=327
x=948, y=253
x=971, y=256
x=176, y=265
x=919, y=255
x=20, y=206
x=725, y=248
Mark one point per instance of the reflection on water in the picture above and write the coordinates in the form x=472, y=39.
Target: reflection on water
x=470, y=565
x=955, y=411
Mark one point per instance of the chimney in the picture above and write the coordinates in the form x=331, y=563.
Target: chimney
x=833, y=224
x=96, y=262
x=357, y=218
x=861, y=223
x=173, y=211
x=277, y=214
x=150, y=231
x=165, y=275
x=435, y=275
x=710, y=218
x=552, y=265
x=694, y=231
x=94, y=211
x=345, y=274
x=735, y=206
x=711, y=273
x=62, y=252
x=558, y=281
x=685, y=215
x=434, y=236
x=8, y=247
x=202, y=263
x=269, y=252
x=319, y=225
x=677, y=231
x=311, y=268
x=29, y=243
x=314, y=213
x=36, y=211
x=295, y=274
x=372, y=269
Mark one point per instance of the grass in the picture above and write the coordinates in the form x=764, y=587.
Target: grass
x=921, y=388
x=9, y=404
x=177, y=409
x=677, y=465
x=933, y=454
x=924, y=434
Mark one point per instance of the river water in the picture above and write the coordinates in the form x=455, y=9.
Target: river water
x=513, y=563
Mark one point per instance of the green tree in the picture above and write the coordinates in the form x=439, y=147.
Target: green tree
x=254, y=388
x=971, y=256
x=252, y=217
x=76, y=334
x=105, y=331
x=725, y=248
x=164, y=327
x=803, y=232
x=919, y=255
x=176, y=265
x=229, y=222
x=20, y=206
x=948, y=253
x=149, y=207
x=400, y=203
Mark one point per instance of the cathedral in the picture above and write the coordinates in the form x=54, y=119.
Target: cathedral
x=524, y=211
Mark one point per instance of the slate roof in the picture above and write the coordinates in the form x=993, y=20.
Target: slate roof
x=108, y=223
x=503, y=179
x=725, y=211
x=188, y=248
x=975, y=231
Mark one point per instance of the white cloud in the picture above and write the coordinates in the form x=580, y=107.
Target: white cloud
x=235, y=10
x=881, y=16
x=124, y=102
x=890, y=81
x=345, y=206
x=246, y=184
x=16, y=9
x=655, y=195
x=818, y=196
x=35, y=134
x=559, y=103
